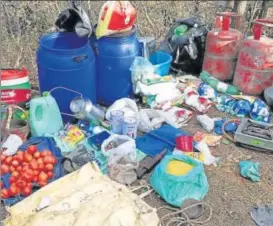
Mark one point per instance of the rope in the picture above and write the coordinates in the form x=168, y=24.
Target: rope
x=225, y=134
x=171, y=219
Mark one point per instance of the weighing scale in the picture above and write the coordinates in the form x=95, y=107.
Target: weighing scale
x=255, y=135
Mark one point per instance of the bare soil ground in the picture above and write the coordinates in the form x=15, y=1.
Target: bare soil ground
x=230, y=195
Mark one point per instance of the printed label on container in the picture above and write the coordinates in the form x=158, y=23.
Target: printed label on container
x=15, y=96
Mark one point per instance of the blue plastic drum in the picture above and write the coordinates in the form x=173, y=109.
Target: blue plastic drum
x=115, y=55
x=66, y=60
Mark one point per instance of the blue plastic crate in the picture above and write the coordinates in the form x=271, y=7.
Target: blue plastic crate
x=42, y=143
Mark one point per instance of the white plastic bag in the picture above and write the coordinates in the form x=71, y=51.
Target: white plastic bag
x=122, y=158
x=11, y=145
x=193, y=99
x=121, y=145
x=150, y=119
x=141, y=68
x=128, y=106
x=209, y=159
x=206, y=122
x=177, y=117
x=121, y=168
x=169, y=92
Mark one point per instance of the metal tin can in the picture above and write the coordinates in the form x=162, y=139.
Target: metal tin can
x=116, y=121
x=130, y=127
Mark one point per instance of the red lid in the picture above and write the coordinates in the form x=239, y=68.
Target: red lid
x=7, y=74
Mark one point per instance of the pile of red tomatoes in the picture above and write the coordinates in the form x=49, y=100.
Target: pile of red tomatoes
x=26, y=168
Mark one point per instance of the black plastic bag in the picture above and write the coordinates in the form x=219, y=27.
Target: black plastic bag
x=187, y=50
x=74, y=19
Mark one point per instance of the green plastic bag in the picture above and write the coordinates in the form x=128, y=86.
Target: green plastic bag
x=176, y=189
x=251, y=170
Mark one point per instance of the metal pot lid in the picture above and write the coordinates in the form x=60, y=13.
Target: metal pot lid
x=77, y=105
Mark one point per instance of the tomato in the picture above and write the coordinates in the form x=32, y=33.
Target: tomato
x=3, y=158
x=15, y=163
x=20, y=156
x=36, y=155
x=20, y=153
x=42, y=183
x=4, y=193
x=26, y=191
x=25, y=164
x=33, y=164
x=46, y=153
x=12, y=169
x=19, y=168
x=48, y=160
x=25, y=168
x=31, y=149
x=49, y=167
x=4, y=169
x=17, y=158
x=41, y=166
x=28, y=175
x=21, y=183
x=8, y=160
x=12, y=179
x=13, y=190
x=50, y=174
x=27, y=157
x=29, y=185
x=40, y=160
x=42, y=176
x=36, y=172
x=15, y=174
x=35, y=179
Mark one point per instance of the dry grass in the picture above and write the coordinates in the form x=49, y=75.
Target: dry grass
x=24, y=22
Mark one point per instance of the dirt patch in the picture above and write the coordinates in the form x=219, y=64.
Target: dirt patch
x=230, y=196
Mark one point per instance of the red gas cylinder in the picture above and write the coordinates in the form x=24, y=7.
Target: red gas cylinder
x=254, y=70
x=222, y=47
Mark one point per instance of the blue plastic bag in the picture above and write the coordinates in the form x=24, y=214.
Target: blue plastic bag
x=249, y=169
x=207, y=91
x=241, y=108
x=260, y=112
x=176, y=189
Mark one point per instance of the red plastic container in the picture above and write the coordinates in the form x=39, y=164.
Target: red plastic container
x=184, y=143
x=254, y=70
x=15, y=86
x=222, y=47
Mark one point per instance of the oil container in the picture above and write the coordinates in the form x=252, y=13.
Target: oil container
x=254, y=70
x=222, y=47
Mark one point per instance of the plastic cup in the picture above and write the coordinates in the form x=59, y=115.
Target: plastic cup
x=184, y=143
